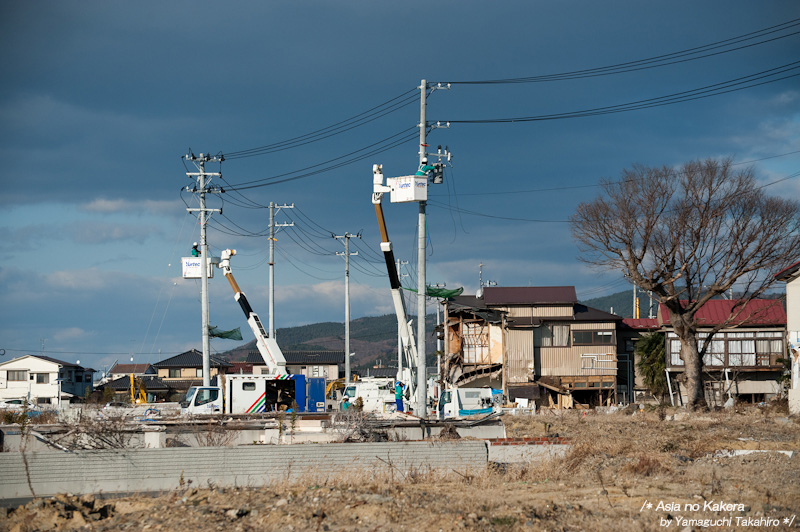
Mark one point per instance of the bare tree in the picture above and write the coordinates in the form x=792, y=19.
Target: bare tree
x=687, y=235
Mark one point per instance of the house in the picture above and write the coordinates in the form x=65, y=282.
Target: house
x=125, y=370
x=791, y=276
x=742, y=358
x=44, y=380
x=536, y=343
x=186, y=370
x=309, y=363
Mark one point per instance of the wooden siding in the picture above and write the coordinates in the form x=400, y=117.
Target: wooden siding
x=580, y=360
x=519, y=356
x=593, y=326
x=544, y=311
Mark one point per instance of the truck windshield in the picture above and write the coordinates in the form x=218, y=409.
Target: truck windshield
x=350, y=391
x=190, y=394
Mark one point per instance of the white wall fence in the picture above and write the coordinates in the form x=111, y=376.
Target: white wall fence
x=147, y=470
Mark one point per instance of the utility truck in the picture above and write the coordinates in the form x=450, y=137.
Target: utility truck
x=462, y=402
x=247, y=394
x=376, y=393
x=255, y=394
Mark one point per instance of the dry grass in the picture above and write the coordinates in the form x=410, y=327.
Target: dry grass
x=617, y=462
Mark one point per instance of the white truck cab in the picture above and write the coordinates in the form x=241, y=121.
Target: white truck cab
x=377, y=393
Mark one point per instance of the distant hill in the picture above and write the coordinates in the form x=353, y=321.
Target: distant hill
x=621, y=304
x=372, y=339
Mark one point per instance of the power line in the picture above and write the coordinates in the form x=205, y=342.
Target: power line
x=652, y=62
x=594, y=185
x=518, y=219
x=365, y=117
x=381, y=146
x=716, y=89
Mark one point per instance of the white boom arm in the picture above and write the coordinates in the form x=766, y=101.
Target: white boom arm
x=268, y=347
x=403, y=323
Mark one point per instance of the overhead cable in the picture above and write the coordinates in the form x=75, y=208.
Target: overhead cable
x=736, y=84
x=360, y=119
x=682, y=56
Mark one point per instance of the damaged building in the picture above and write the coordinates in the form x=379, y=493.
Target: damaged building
x=535, y=343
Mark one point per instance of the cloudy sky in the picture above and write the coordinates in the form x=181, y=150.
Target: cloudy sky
x=99, y=101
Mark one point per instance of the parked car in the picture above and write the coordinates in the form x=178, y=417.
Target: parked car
x=17, y=404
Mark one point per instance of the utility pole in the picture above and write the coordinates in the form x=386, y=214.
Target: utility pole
x=202, y=188
x=422, y=392
x=272, y=226
x=438, y=339
x=346, y=237
x=399, y=336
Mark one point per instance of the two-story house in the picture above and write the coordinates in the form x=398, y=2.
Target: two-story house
x=44, y=380
x=742, y=358
x=536, y=343
x=183, y=371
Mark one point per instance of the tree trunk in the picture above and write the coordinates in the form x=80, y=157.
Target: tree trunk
x=693, y=363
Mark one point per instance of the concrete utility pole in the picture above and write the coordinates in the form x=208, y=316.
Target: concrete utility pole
x=439, y=342
x=346, y=237
x=272, y=226
x=422, y=392
x=399, y=334
x=202, y=188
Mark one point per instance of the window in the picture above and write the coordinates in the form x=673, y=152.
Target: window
x=592, y=337
x=206, y=396
x=769, y=346
x=17, y=374
x=552, y=335
x=675, y=353
x=174, y=373
x=741, y=353
x=249, y=386
x=198, y=372
x=42, y=378
x=715, y=354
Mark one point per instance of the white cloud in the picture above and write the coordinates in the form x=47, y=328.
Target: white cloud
x=72, y=333
x=109, y=206
x=89, y=232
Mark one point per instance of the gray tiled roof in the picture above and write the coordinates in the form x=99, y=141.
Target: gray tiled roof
x=151, y=384
x=190, y=359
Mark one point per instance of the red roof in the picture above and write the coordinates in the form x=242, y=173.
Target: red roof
x=756, y=312
x=643, y=324
x=509, y=295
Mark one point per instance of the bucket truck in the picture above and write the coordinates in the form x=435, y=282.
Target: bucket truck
x=247, y=394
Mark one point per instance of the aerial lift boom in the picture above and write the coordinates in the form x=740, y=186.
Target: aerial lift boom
x=403, y=323
x=268, y=347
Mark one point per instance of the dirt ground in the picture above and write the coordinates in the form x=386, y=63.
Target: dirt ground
x=648, y=470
